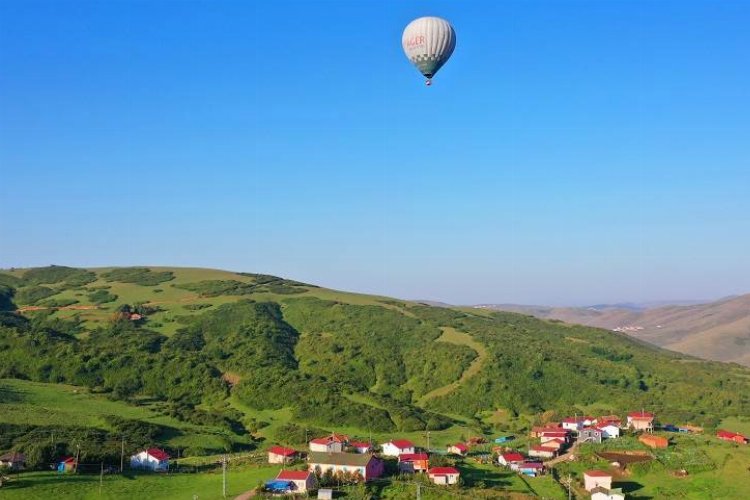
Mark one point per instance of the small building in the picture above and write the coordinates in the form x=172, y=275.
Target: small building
x=413, y=462
x=600, y=493
x=554, y=444
x=360, y=447
x=641, y=421
x=590, y=435
x=325, y=494
x=731, y=436
x=550, y=435
x=572, y=423
x=152, y=459
x=597, y=478
x=537, y=432
x=458, y=449
x=397, y=447
x=329, y=444
x=504, y=439
x=532, y=469
x=301, y=481
x=366, y=465
x=444, y=475
x=653, y=441
x=540, y=451
x=281, y=455
x=507, y=459
x=66, y=464
x=609, y=430
x=13, y=460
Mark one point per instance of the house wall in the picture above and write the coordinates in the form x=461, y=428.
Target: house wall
x=592, y=482
x=332, y=447
x=273, y=458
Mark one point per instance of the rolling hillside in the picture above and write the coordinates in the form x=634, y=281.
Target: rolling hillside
x=718, y=330
x=250, y=356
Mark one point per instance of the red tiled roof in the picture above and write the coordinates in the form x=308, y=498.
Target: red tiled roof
x=572, y=420
x=554, y=434
x=293, y=475
x=538, y=447
x=556, y=440
x=411, y=457
x=402, y=443
x=158, y=454
x=442, y=471
x=728, y=434
x=513, y=457
x=339, y=438
x=359, y=444
x=321, y=441
x=67, y=460
x=461, y=446
x=597, y=473
x=641, y=415
x=532, y=465
x=280, y=450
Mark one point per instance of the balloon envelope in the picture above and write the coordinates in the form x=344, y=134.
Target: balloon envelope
x=428, y=42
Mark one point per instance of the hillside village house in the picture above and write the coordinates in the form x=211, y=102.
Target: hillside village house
x=590, y=435
x=458, y=449
x=13, y=460
x=366, y=465
x=360, y=447
x=413, y=462
x=572, y=423
x=654, y=441
x=151, y=459
x=549, y=436
x=537, y=432
x=330, y=444
x=541, y=452
x=600, y=493
x=554, y=444
x=641, y=421
x=508, y=459
x=597, y=478
x=609, y=430
x=281, y=455
x=532, y=469
x=397, y=447
x=444, y=475
x=731, y=436
x=300, y=481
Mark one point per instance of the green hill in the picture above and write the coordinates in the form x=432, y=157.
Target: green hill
x=251, y=353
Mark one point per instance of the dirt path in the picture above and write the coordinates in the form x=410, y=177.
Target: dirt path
x=453, y=336
x=564, y=457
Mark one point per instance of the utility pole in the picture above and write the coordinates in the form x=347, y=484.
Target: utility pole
x=224, y=476
x=122, y=454
x=101, y=478
x=570, y=480
x=428, y=441
x=78, y=455
x=419, y=491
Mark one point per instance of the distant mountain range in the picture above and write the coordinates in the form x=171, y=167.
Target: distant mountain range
x=718, y=330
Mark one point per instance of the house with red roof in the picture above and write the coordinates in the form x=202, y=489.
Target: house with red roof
x=641, y=421
x=360, y=446
x=444, y=475
x=510, y=458
x=538, y=431
x=363, y=465
x=597, y=479
x=731, y=436
x=550, y=435
x=540, y=451
x=397, y=447
x=334, y=443
x=609, y=430
x=532, y=469
x=281, y=455
x=413, y=462
x=67, y=464
x=301, y=481
x=458, y=449
x=554, y=444
x=152, y=459
x=572, y=423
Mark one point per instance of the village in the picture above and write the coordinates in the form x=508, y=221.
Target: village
x=332, y=463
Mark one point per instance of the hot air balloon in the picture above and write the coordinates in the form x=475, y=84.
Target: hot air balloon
x=428, y=43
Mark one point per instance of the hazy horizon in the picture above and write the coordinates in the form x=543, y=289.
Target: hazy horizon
x=569, y=153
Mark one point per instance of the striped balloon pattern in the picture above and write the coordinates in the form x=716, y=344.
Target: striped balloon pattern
x=428, y=42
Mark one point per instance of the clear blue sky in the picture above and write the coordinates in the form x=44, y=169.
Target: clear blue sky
x=571, y=152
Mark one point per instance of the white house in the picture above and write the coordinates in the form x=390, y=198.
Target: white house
x=330, y=444
x=360, y=446
x=397, y=447
x=152, y=459
x=302, y=480
x=444, y=475
x=600, y=493
x=597, y=479
x=507, y=459
x=541, y=452
x=572, y=424
x=610, y=430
